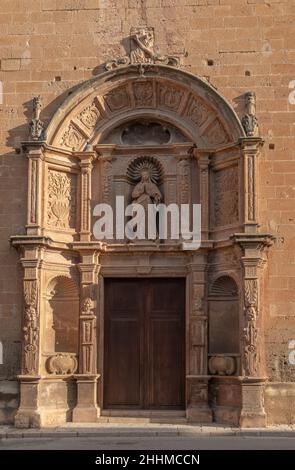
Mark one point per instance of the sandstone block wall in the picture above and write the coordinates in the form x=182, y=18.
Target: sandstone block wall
x=49, y=46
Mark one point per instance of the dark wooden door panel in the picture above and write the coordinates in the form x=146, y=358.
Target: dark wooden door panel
x=144, y=343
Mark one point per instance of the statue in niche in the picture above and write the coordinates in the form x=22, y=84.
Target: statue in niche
x=146, y=192
x=146, y=174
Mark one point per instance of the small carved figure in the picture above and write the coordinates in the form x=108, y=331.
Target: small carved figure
x=142, y=51
x=36, y=125
x=146, y=192
x=249, y=120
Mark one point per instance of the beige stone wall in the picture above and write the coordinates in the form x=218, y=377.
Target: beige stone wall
x=48, y=46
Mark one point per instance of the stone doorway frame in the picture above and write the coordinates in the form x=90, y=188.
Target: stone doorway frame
x=48, y=249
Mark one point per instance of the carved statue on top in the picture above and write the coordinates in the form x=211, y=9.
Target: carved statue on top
x=36, y=125
x=249, y=120
x=142, y=51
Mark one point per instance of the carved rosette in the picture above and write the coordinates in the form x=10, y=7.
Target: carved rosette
x=251, y=331
x=31, y=328
x=61, y=206
x=87, y=325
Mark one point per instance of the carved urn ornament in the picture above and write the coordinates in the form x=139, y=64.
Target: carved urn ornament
x=249, y=120
x=142, y=51
x=36, y=125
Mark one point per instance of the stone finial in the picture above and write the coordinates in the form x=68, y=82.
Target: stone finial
x=249, y=120
x=36, y=125
x=142, y=51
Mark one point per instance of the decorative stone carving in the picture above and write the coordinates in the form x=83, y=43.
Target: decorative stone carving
x=143, y=93
x=142, y=51
x=169, y=97
x=226, y=196
x=62, y=364
x=89, y=116
x=150, y=164
x=36, y=125
x=117, y=99
x=107, y=180
x=147, y=172
x=197, y=111
x=251, y=188
x=183, y=179
x=71, y=138
x=216, y=134
x=87, y=324
x=61, y=207
x=249, y=120
x=222, y=365
x=250, y=332
x=31, y=327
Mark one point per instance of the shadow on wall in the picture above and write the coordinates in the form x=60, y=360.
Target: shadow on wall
x=21, y=133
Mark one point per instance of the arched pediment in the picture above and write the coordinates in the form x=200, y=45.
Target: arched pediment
x=128, y=93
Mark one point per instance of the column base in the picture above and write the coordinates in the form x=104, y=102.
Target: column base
x=200, y=414
x=252, y=411
x=27, y=418
x=86, y=410
x=198, y=410
x=28, y=415
x=85, y=414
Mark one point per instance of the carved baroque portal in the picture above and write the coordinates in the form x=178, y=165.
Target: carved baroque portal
x=152, y=134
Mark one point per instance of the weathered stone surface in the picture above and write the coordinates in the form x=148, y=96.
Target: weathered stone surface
x=47, y=48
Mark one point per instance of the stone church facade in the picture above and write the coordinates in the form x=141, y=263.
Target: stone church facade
x=103, y=100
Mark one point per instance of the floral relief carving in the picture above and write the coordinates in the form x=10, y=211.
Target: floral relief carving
x=169, y=97
x=117, y=99
x=183, y=177
x=71, y=138
x=143, y=93
x=61, y=208
x=89, y=116
x=250, y=332
x=226, y=196
x=31, y=327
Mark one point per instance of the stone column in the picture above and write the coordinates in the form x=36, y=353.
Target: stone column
x=253, y=358
x=28, y=414
x=250, y=148
x=35, y=183
x=87, y=409
x=203, y=160
x=86, y=159
x=197, y=379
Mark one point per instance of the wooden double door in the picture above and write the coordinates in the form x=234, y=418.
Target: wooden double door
x=144, y=360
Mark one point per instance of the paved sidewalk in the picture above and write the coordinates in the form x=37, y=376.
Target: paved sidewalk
x=143, y=430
